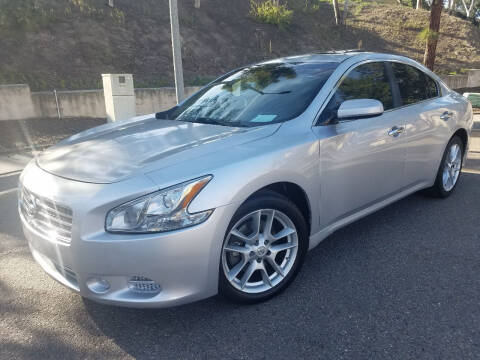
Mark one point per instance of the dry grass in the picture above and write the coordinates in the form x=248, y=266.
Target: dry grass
x=459, y=41
x=72, y=52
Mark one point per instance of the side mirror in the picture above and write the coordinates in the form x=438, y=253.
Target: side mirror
x=359, y=108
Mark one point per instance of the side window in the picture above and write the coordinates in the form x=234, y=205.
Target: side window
x=367, y=81
x=414, y=84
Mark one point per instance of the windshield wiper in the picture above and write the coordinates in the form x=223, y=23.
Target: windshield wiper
x=210, y=121
x=268, y=93
x=204, y=120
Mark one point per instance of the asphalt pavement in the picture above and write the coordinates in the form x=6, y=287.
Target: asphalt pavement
x=402, y=283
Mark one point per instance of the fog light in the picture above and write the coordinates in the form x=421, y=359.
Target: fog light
x=143, y=285
x=98, y=285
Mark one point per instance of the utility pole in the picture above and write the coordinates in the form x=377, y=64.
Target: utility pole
x=176, y=50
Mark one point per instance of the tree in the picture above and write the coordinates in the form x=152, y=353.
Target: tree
x=345, y=12
x=451, y=6
x=432, y=33
x=336, y=9
x=468, y=9
x=419, y=4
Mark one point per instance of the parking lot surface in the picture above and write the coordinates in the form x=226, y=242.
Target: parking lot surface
x=402, y=283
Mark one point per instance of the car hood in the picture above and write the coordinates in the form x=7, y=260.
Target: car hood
x=113, y=152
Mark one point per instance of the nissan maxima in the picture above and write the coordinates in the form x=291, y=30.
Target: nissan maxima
x=227, y=191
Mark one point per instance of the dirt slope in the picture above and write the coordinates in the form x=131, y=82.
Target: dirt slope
x=69, y=46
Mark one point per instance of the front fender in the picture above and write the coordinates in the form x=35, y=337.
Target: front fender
x=258, y=167
x=289, y=155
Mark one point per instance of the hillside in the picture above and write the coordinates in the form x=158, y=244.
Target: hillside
x=67, y=44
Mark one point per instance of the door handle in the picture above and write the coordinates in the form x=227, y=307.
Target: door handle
x=395, y=131
x=446, y=115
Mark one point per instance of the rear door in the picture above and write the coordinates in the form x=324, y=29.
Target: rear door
x=428, y=118
x=361, y=160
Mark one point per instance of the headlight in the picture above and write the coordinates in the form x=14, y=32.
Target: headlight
x=163, y=210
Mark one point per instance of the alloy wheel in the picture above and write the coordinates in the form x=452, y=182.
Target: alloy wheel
x=452, y=167
x=260, y=251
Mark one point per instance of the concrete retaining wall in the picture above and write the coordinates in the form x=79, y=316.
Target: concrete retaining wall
x=152, y=100
x=473, y=78
x=455, y=81
x=84, y=103
x=469, y=80
x=16, y=102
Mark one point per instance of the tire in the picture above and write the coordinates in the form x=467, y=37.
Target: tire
x=258, y=251
x=442, y=188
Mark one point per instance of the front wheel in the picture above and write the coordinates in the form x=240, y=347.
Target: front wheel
x=450, y=168
x=263, y=249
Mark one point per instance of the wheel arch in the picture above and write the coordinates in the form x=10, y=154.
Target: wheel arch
x=463, y=135
x=293, y=192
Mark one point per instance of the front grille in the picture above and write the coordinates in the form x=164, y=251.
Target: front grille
x=46, y=216
x=143, y=285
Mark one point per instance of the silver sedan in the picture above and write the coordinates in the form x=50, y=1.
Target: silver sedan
x=226, y=192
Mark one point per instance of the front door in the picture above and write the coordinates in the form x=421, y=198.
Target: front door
x=361, y=160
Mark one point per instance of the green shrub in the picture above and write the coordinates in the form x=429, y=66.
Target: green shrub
x=311, y=6
x=427, y=34
x=271, y=12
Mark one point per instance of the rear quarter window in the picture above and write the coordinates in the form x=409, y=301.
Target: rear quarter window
x=414, y=84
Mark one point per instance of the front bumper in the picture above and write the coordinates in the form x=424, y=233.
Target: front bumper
x=185, y=263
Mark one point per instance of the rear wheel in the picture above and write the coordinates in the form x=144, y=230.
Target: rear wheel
x=450, y=168
x=263, y=249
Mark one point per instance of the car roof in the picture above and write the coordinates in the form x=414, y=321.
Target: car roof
x=334, y=56
x=339, y=56
x=325, y=56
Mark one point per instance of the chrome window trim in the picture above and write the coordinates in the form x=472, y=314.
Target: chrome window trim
x=439, y=88
x=357, y=64
x=334, y=89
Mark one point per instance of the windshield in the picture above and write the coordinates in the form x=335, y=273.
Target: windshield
x=257, y=95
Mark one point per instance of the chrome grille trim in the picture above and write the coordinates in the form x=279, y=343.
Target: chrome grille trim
x=51, y=219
